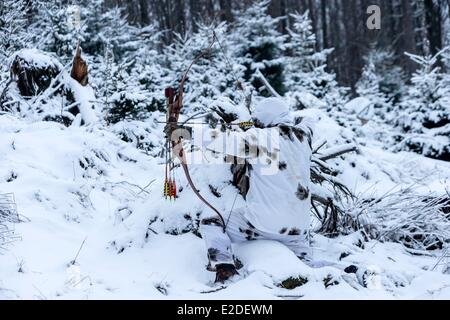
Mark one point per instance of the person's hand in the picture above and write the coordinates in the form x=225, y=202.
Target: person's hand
x=170, y=128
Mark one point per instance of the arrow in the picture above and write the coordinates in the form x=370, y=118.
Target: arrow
x=244, y=124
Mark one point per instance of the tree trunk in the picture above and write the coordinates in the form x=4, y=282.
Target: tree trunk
x=226, y=10
x=144, y=19
x=179, y=23
x=324, y=24
x=195, y=10
x=408, y=43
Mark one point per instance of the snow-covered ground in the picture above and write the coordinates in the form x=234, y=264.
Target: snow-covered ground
x=82, y=187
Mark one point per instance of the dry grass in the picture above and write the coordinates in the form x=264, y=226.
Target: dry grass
x=420, y=222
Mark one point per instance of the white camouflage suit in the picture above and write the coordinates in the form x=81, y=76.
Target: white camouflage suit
x=277, y=202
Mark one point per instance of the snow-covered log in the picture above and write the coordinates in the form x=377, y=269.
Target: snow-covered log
x=33, y=70
x=338, y=151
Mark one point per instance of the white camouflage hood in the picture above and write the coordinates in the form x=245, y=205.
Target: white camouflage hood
x=272, y=112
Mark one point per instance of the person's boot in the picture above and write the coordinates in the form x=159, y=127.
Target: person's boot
x=224, y=272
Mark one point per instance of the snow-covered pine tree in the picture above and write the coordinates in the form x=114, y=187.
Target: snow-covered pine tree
x=13, y=35
x=382, y=82
x=259, y=45
x=58, y=27
x=109, y=26
x=13, y=27
x=118, y=90
x=99, y=29
x=424, y=116
x=123, y=97
x=369, y=84
x=105, y=80
x=131, y=82
x=148, y=68
x=306, y=67
x=211, y=77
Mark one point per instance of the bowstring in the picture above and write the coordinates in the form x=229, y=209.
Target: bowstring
x=230, y=66
x=231, y=211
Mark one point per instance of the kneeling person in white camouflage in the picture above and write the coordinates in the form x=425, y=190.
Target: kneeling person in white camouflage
x=275, y=205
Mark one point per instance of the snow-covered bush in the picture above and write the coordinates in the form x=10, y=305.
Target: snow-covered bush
x=328, y=192
x=143, y=135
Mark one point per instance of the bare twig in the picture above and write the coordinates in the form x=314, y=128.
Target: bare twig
x=79, y=250
x=148, y=185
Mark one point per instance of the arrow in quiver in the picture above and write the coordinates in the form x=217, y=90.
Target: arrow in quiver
x=166, y=189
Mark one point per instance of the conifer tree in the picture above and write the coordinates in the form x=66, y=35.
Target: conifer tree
x=306, y=67
x=213, y=75
x=424, y=116
x=13, y=27
x=382, y=82
x=259, y=45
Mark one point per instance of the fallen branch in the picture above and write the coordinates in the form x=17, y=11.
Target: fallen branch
x=266, y=83
x=338, y=151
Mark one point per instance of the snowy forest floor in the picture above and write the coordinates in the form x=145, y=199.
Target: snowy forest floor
x=84, y=184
